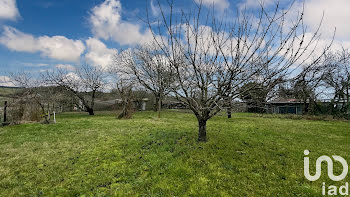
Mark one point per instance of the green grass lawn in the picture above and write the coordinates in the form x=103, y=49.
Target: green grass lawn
x=247, y=155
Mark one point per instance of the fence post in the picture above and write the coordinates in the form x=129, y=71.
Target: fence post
x=54, y=117
x=48, y=112
x=5, y=123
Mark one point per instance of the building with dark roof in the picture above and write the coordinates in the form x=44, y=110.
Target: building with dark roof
x=286, y=106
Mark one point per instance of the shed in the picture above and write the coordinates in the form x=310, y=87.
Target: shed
x=286, y=106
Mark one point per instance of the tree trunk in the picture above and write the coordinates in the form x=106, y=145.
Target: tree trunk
x=127, y=110
x=46, y=121
x=92, y=102
x=159, y=107
x=124, y=112
x=229, y=109
x=228, y=104
x=305, y=106
x=202, y=132
x=156, y=104
x=90, y=111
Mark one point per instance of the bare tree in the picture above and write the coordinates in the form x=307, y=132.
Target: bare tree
x=149, y=68
x=32, y=89
x=305, y=85
x=211, y=58
x=255, y=97
x=337, y=78
x=125, y=91
x=83, y=84
x=124, y=82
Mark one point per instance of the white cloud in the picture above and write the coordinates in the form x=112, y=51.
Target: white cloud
x=253, y=4
x=65, y=67
x=98, y=53
x=72, y=77
x=42, y=64
x=56, y=47
x=5, y=81
x=154, y=8
x=336, y=14
x=8, y=10
x=31, y=64
x=107, y=23
x=18, y=41
x=218, y=4
x=61, y=48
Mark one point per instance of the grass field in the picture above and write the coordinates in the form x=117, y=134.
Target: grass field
x=7, y=90
x=247, y=155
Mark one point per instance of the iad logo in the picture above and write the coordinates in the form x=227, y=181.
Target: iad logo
x=330, y=190
x=329, y=164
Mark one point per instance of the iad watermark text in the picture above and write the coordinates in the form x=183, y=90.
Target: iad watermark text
x=330, y=190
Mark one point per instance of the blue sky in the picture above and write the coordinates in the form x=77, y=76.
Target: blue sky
x=52, y=18
x=42, y=34
x=69, y=19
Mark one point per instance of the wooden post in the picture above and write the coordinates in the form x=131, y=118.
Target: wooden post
x=54, y=117
x=5, y=123
x=48, y=111
x=5, y=108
